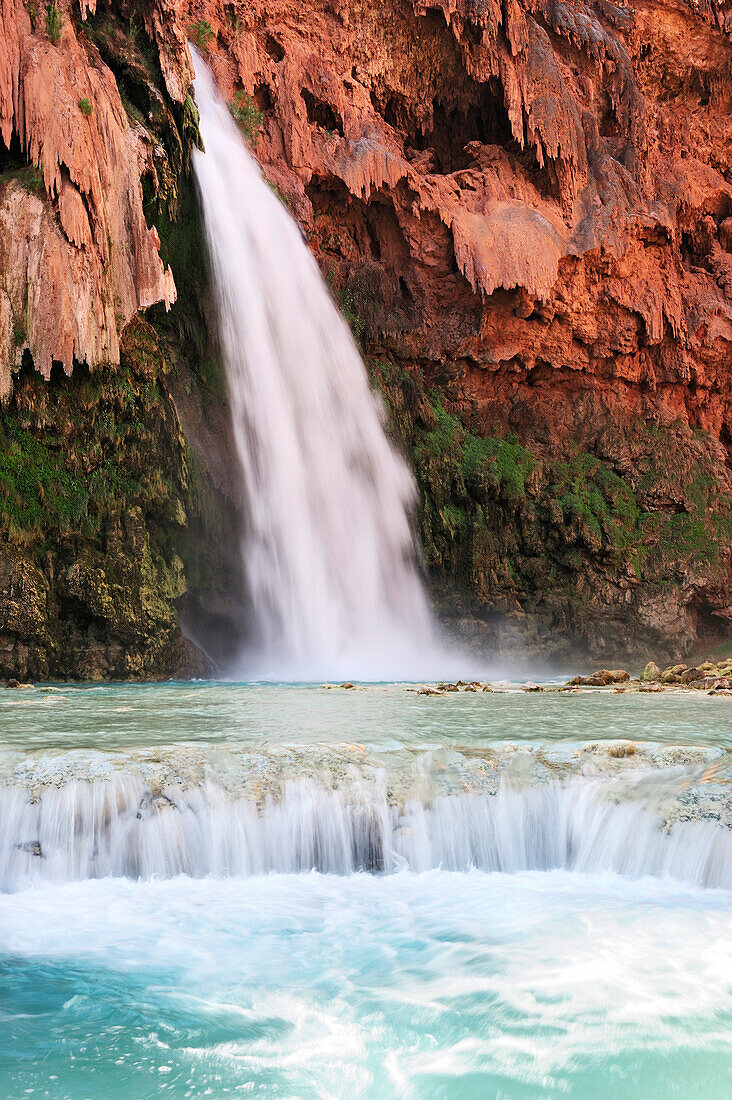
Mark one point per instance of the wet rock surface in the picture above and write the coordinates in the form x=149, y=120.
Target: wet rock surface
x=708, y=675
x=687, y=782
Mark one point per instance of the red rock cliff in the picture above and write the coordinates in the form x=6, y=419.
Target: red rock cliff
x=530, y=206
x=76, y=267
x=525, y=206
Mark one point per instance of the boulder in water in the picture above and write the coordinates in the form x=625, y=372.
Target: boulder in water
x=651, y=673
x=602, y=678
x=672, y=674
x=691, y=675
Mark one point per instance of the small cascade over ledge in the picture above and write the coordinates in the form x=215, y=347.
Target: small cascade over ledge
x=329, y=552
x=208, y=811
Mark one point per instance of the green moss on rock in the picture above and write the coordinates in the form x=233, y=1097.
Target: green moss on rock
x=94, y=505
x=560, y=535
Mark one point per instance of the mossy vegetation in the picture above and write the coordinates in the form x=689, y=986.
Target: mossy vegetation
x=284, y=199
x=695, y=537
x=359, y=295
x=99, y=496
x=247, y=115
x=513, y=526
x=32, y=7
x=36, y=489
x=501, y=463
x=54, y=22
x=202, y=34
x=349, y=306
x=73, y=450
x=93, y=487
x=15, y=167
x=597, y=500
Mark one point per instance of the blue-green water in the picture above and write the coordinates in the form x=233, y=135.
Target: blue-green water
x=128, y=715
x=440, y=983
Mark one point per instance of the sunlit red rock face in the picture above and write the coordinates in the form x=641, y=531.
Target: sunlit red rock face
x=76, y=255
x=529, y=205
x=543, y=183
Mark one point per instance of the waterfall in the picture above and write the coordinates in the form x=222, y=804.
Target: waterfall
x=209, y=811
x=122, y=827
x=328, y=553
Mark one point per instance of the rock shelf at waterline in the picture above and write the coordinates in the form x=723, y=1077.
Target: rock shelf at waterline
x=632, y=809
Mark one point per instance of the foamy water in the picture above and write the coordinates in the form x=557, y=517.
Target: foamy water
x=353, y=818
x=431, y=985
x=539, y=913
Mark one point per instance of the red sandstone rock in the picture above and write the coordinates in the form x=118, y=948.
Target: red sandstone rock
x=75, y=271
x=534, y=201
x=536, y=148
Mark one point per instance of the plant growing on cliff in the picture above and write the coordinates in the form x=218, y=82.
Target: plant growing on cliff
x=348, y=304
x=201, y=33
x=234, y=23
x=31, y=6
x=36, y=488
x=85, y=106
x=247, y=115
x=284, y=199
x=54, y=23
x=28, y=176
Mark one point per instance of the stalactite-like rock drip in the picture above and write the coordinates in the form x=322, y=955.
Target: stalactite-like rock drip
x=76, y=255
x=521, y=125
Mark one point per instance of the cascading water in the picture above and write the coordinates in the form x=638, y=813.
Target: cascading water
x=209, y=889
x=245, y=814
x=329, y=555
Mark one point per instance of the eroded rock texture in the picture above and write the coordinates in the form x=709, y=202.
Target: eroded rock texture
x=114, y=515
x=527, y=209
x=76, y=255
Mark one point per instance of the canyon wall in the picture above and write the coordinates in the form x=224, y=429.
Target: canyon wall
x=525, y=210
x=77, y=258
